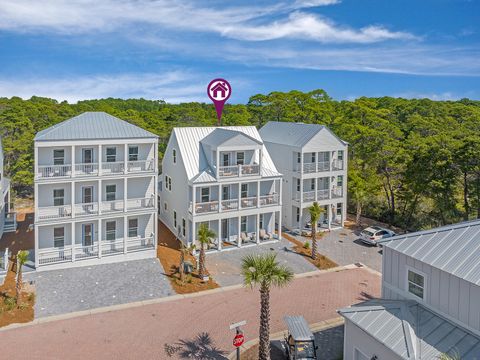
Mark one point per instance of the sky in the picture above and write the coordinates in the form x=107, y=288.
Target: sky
x=170, y=50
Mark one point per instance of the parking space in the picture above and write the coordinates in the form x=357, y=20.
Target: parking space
x=225, y=267
x=83, y=288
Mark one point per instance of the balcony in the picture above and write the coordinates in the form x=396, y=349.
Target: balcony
x=323, y=166
x=337, y=165
x=312, y=167
x=112, y=206
x=309, y=196
x=54, y=212
x=141, y=166
x=86, y=209
x=323, y=194
x=238, y=170
x=86, y=169
x=337, y=193
x=269, y=200
x=206, y=207
x=141, y=203
x=54, y=171
x=113, y=168
x=228, y=205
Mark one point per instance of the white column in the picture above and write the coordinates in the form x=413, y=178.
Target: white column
x=257, y=233
x=260, y=161
x=100, y=186
x=125, y=158
x=155, y=226
x=100, y=159
x=220, y=198
x=329, y=213
x=315, y=188
x=36, y=161
x=300, y=222
x=72, y=234
x=280, y=194
x=239, y=241
x=194, y=195
x=125, y=233
x=155, y=156
x=125, y=194
x=37, y=249
x=194, y=235
x=219, y=234
x=99, y=239
x=239, y=195
x=301, y=191
x=72, y=198
x=279, y=224
x=258, y=194
x=72, y=172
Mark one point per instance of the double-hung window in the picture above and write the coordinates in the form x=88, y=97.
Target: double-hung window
x=59, y=237
x=133, y=153
x=111, y=154
x=339, y=209
x=298, y=184
x=244, y=190
x=205, y=195
x=110, y=192
x=243, y=224
x=132, y=227
x=174, y=219
x=340, y=155
x=184, y=225
x=111, y=230
x=340, y=181
x=416, y=284
x=174, y=153
x=240, y=158
x=58, y=197
x=59, y=157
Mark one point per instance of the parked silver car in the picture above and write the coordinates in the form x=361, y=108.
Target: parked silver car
x=373, y=234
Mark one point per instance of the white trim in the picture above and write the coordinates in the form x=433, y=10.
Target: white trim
x=425, y=283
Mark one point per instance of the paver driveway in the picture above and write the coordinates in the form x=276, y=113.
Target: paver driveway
x=147, y=332
x=82, y=288
x=225, y=267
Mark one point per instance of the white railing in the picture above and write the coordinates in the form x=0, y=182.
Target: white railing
x=112, y=206
x=51, y=256
x=309, y=167
x=113, y=168
x=206, y=207
x=337, y=193
x=141, y=166
x=141, y=203
x=268, y=200
x=323, y=166
x=231, y=204
x=86, y=209
x=337, y=164
x=90, y=169
x=86, y=252
x=52, y=171
x=54, y=212
x=250, y=170
x=309, y=196
x=112, y=247
x=228, y=171
x=248, y=202
x=4, y=260
x=323, y=194
x=137, y=244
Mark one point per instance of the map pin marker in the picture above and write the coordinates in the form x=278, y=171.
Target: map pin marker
x=219, y=90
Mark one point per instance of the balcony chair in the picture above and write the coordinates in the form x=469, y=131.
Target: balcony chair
x=264, y=235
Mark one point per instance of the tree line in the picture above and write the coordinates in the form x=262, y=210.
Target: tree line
x=412, y=163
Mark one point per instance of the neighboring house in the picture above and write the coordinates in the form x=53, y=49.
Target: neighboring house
x=7, y=218
x=223, y=177
x=431, y=299
x=95, y=192
x=313, y=161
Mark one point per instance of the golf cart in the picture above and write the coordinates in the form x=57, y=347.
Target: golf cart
x=300, y=341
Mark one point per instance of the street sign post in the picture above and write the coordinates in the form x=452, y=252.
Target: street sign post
x=239, y=338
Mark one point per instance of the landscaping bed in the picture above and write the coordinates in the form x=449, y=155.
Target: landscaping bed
x=321, y=262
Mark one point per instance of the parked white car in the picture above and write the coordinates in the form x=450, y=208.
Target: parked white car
x=373, y=234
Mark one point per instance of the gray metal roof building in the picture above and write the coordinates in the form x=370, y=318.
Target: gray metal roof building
x=93, y=126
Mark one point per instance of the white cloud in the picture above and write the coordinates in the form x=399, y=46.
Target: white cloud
x=314, y=3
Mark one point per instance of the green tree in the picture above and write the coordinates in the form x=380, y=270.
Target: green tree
x=22, y=258
x=205, y=236
x=315, y=211
x=264, y=271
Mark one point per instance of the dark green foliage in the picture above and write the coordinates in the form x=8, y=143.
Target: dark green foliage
x=413, y=163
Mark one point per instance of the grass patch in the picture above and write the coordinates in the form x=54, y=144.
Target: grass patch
x=321, y=262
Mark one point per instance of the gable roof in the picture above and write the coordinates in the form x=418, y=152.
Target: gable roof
x=411, y=330
x=189, y=141
x=292, y=134
x=220, y=136
x=93, y=126
x=454, y=249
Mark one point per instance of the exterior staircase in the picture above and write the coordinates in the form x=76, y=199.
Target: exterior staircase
x=10, y=222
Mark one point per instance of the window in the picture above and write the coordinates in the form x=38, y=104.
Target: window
x=340, y=155
x=340, y=181
x=226, y=192
x=313, y=158
x=169, y=183
x=299, y=158
x=165, y=206
x=312, y=184
x=298, y=184
x=244, y=191
x=132, y=227
x=416, y=283
x=184, y=225
x=174, y=219
x=58, y=157
x=339, y=209
x=243, y=224
x=58, y=197
x=110, y=230
x=240, y=158
x=205, y=195
x=174, y=153
x=133, y=153
x=111, y=154
x=111, y=192
x=225, y=159
x=59, y=237
x=261, y=221
x=298, y=214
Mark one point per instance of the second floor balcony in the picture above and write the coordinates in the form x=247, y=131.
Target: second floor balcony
x=318, y=195
x=238, y=171
x=236, y=204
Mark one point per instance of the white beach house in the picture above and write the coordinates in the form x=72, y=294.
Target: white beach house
x=313, y=161
x=95, y=192
x=7, y=218
x=430, y=299
x=223, y=177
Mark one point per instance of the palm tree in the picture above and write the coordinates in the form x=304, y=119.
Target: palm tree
x=264, y=271
x=315, y=212
x=22, y=257
x=205, y=236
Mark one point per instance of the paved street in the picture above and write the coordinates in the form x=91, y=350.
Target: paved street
x=344, y=247
x=82, y=288
x=225, y=267
x=174, y=327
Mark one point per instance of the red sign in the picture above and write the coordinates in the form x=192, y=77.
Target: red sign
x=238, y=340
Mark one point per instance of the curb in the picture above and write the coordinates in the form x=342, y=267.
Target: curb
x=316, y=327
x=136, y=304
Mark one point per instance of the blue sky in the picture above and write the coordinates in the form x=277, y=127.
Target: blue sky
x=167, y=49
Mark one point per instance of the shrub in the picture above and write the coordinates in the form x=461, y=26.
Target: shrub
x=23, y=306
x=306, y=245
x=31, y=297
x=10, y=303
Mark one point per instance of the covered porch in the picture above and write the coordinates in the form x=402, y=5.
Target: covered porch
x=332, y=217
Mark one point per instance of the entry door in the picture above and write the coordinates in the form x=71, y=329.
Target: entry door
x=87, y=156
x=226, y=192
x=87, y=194
x=225, y=231
x=87, y=234
x=226, y=159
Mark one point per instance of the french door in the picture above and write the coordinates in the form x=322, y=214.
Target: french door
x=87, y=234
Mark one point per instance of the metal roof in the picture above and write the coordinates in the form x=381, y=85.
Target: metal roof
x=221, y=136
x=189, y=141
x=298, y=328
x=454, y=249
x=412, y=331
x=291, y=133
x=93, y=126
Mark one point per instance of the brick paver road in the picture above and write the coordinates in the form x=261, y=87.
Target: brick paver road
x=147, y=332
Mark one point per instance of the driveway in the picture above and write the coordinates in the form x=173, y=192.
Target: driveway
x=188, y=324
x=83, y=288
x=225, y=267
x=344, y=247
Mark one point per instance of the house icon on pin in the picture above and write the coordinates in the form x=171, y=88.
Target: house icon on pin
x=219, y=88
